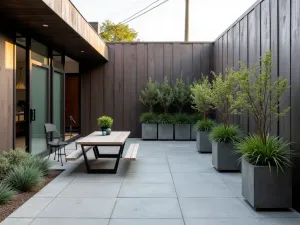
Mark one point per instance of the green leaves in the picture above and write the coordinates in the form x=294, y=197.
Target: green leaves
x=165, y=95
x=202, y=96
x=204, y=125
x=225, y=133
x=181, y=94
x=149, y=96
x=117, y=32
x=105, y=121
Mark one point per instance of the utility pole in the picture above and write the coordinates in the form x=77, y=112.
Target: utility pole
x=187, y=20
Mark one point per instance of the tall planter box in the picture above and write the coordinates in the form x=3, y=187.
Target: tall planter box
x=182, y=132
x=149, y=131
x=203, y=143
x=265, y=189
x=224, y=158
x=193, y=132
x=165, y=132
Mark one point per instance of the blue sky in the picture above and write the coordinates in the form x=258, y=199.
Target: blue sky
x=208, y=18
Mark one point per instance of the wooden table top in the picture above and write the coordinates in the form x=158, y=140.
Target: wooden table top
x=96, y=138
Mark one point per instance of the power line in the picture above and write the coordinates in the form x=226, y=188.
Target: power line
x=126, y=9
x=145, y=12
x=124, y=21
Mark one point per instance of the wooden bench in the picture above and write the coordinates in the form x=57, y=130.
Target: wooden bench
x=132, y=152
x=78, y=153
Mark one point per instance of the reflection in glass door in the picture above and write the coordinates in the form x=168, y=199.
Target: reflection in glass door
x=58, y=101
x=39, y=109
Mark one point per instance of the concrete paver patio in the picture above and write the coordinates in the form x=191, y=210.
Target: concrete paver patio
x=169, y=184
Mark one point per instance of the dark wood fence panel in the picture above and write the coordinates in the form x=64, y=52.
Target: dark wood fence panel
x=113, y=89
x=272, y=25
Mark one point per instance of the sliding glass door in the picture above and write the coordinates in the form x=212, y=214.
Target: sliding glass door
x=58, y=101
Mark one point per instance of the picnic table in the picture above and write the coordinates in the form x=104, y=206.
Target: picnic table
x=96, y=140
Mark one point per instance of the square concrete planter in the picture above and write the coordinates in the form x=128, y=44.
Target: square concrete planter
x=265, y=189
x=149, y=131
x=203, y=142
x=165, y=132
x=193, y=132
x=182, y=132
x=224, y=158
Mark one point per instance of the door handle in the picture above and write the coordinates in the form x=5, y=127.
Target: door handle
x=32, y=115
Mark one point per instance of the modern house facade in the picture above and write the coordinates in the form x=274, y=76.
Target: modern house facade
x=53, y=65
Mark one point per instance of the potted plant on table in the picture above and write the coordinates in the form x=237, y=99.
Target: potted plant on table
x=266, y=160
x=149, y=97
x=105, y=122
x=223, y=136
x=201, y=94
x=165, y=120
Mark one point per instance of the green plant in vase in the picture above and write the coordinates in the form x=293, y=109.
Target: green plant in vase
x=105, y=122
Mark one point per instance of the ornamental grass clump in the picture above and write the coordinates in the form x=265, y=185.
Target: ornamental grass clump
x=204, y=125
x=41, y=164
x=165, y=118
x=149, y=118
x=17, y=156
x=149, y=96
x=24, y=178
x=181, y=119
x=274, y=152
x=6, y=193
x=165, y=95
x=225, y=133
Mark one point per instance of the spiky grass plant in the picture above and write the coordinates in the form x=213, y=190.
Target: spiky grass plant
x=24, y=178
x=204, y=125
x=181, y=119
x=149, y=118
x=6, y=193
x=275, y=152
x=41, y=164
x=165, y=118
x=17, y=156
x=225, y=133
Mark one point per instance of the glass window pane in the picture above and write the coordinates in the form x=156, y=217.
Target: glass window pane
x=57, y=60
x=39, y=52
x=39, y=104
x=20, y=39
x=58, y=80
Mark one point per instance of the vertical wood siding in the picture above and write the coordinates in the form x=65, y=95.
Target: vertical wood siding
x=270, y=25
x=113, y=89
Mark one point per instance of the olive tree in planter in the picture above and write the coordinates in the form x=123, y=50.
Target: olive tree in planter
x=266, y=160
x=203, y=128
x=223, y=156
x=182, y=127
x=224, y=89
x=165, y=127
x=181, y=92
x=165, y=121
x=149, y=97
x=201, y=94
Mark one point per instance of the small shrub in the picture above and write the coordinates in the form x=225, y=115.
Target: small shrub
x=165, y=119
x=165, y=96
x=148, y=118
x=6, y=193
x=149, y=96
x=105, y=121
x=194, y=118
x=181, y=119
x=204, y=125
x=275, y=152
x=41, y=164
x=181, y=93
x=4, y=166
x=17, y=156
x=225, y=134
x=24, y=178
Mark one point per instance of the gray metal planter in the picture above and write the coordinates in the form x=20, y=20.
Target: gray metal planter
x=193, y=132
x=165, y=132
x=182, y=132
x=203, y=142
x=149, y=131
x=224, y=158
x=265, y=189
